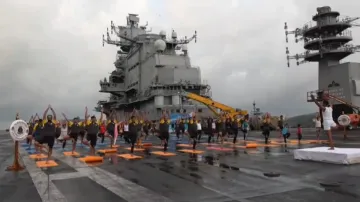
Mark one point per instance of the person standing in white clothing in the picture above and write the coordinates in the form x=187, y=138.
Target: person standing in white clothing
x=317, y=121
x=328, y=121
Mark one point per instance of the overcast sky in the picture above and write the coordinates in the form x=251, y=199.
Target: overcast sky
x=51, y=51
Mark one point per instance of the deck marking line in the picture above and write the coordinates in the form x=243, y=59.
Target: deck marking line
x=120, y=186
x=46, y=188
x=65, y=176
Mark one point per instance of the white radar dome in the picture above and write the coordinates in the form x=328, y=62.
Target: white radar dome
x=160, y=45
x=162, y=33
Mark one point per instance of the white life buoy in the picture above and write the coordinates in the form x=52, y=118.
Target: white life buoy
x=344, y=120
x=19, y=130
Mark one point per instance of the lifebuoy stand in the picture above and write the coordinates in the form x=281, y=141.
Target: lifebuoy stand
x=16, y=165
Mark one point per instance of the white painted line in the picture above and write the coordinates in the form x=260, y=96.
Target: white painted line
x=120, y=186
x=65, y=176
x=47, y=190
x=1, y=141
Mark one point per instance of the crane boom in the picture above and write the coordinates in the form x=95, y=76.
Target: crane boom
x=213, y=104
x=344, y=102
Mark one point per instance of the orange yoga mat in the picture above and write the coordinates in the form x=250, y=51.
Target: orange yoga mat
x=38, y=156
x=129, y=156
x=105, y=151
x=183, y=145
x=191, y=151
x=161, y=153
x=135, y=149
x=71, y=154
x=43, y=164
x=91, y=159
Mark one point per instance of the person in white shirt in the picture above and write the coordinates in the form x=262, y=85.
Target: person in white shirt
x=317, y=122
x=199, y=129
x=328, y=121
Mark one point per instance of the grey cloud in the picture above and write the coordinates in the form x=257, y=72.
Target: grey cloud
x=51, y=51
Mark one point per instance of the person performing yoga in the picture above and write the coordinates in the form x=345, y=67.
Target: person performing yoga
x=73, y=130
x=164, y=129
x=92, y=129
x=110, y=127
x=47, y=132
x=328, y=121
x=192, y=131
x=133, y=131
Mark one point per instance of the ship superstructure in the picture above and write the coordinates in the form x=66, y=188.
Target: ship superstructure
x=326, y=40
x=151, y=71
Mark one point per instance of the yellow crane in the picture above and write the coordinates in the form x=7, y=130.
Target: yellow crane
x=213, y=105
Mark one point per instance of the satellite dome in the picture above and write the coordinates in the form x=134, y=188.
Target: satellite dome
x=184, y=47
x=162, y=33
x=160, y=45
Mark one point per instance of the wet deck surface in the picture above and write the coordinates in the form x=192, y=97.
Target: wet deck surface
x=214, y=176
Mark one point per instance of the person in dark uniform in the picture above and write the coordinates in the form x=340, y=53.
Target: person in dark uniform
x=133, y=131
x=281, y=123
x=218, y=127
x=57, y=131
x=222, y=130
x=36, y=134
x=164, y=130
x=47, y=135
x=92, y=129
x=31, y=128
x=182, y=127
x=110, y=129
x=266, y=128
x=74, y=129
x=140, y=127
x=211, y=128
x=228, y=126
x=146, y=128
x=235, y=128
x=192, y=130
x=177, y=129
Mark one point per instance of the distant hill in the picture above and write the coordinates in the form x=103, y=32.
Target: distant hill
x=305, y=120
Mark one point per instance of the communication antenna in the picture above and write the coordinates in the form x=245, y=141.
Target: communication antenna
x=112, y=26
x=195, y=36
x=103, y=40
x=297, y=32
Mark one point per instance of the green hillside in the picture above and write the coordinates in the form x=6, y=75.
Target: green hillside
x=306, y=120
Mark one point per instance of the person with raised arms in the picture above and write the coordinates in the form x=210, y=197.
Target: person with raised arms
x=192, y=130
x=328, y=121
x=47, y=132
x=34, y=131
x=164, y=128
x=133, y=130
x=72, y=128
x=146, y=126
x=141, y=133
x=92, y=128
x=110, y=127
x=31, y=128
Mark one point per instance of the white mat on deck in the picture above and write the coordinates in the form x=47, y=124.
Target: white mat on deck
x=323, y=154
